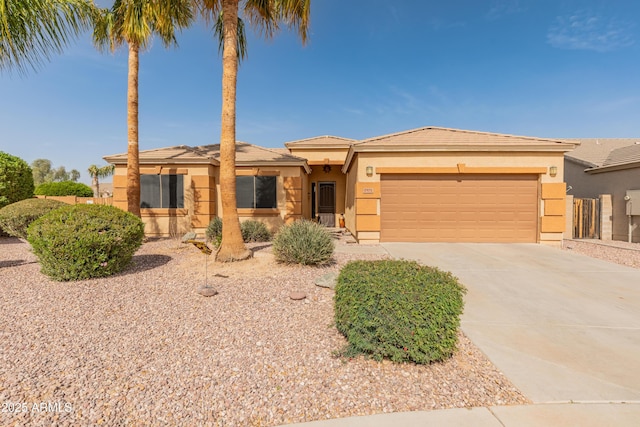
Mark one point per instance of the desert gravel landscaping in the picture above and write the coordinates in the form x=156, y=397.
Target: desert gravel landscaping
x=143, y=348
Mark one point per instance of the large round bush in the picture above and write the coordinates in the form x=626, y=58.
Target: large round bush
x=16, y=179
x=64, y=188
x=16, y=217
x=83, y=241
x=398, y=310
x=303, y=242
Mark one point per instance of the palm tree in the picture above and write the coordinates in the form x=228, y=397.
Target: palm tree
x=97, y=172
x=266, y=16
x=31, y=30
x=134, y=22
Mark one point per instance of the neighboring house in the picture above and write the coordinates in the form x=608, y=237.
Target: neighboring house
x=425, y=185
x=606, y=166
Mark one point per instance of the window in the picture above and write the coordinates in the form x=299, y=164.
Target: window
x=256, y=192
x=161, y=191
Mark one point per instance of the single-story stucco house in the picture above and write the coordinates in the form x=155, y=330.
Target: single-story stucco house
x=423, y=185
x=609, y=166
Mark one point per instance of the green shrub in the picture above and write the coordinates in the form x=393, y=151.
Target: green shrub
x=214, y=231
x=254, y=231
x=16, y=217
x=16, y=179
x=303, y=242
x=82, y=241
x=64, y=188
x=399, y=310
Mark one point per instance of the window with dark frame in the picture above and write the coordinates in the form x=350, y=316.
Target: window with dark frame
x=256, y=192
x=162, y=191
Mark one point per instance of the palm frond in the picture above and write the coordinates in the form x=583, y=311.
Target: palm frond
x=32, y=30
x=218, y=30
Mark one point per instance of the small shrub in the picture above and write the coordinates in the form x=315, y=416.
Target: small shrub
x=16, y=179
x=214, y=231
x=82, y=241
x=303, y=242
x=398, y=310
x=64, y=188
x=254, y=231
x=16, y=217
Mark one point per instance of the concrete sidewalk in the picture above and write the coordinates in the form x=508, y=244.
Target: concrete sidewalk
x=543, y=415
x=563, y=327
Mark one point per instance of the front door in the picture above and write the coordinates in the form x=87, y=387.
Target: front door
x=327, y=203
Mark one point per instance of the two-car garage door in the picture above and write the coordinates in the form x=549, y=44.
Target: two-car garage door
x=459, y=208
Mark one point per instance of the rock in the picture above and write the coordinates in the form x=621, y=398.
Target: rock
x=297, y=295
x=189, y=236
x=207, y=291
x=328, y=280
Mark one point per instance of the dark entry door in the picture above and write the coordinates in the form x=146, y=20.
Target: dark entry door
x=327, y=203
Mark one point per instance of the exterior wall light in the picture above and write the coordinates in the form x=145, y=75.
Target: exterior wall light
x=553, y=170
x=369, y=170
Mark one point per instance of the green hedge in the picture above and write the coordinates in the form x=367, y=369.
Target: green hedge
x=303, y=242
x=398, y=310
x=64, y=188
x=16, y=217
x=82, y=241
x=16, y=179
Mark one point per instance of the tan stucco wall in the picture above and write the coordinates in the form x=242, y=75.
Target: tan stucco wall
x=552, y=220
x=201, y=201
x=336, y=155
x=318, y=175
x=350, y=198
x=288, y=195
x=196, y=213
x=615, y=183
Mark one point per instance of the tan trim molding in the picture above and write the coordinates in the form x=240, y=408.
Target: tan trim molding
x=256, y=172
x=325, y=162
x=462, y=169
x=258, y=212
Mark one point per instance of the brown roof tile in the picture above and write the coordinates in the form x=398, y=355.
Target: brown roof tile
x=436, y=136
x=246, y=155
x=595, y=151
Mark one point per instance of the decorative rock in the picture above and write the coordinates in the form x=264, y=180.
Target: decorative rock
x=297, y=295
x=328, y=280
x=207, y=291
x=189, y=236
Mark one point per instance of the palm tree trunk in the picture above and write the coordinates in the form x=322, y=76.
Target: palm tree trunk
x=133, y=160
x=95, y=185
x=232, y=247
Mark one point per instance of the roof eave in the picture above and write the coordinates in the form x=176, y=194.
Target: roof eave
x=613, y=168
x=267, y=163
x=163, y=161
x=554, y=147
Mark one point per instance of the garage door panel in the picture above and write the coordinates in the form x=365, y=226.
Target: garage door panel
x=465, y=208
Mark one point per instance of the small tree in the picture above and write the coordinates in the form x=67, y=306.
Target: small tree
x=96, y=173
x=44, y=172
x=16, y=179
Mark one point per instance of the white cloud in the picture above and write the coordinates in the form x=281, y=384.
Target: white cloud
x=587, y=31
x=501, y=8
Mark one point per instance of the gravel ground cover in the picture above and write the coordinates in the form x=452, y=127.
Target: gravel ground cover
x=143, y=348
x=623, y=253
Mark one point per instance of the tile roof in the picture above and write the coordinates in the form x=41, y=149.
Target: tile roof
x=595, y=151
x=321, y=141
x=437, y=136
x=246, y=155
x=623, y=156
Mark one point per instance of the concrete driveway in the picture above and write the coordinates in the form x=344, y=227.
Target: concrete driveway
x=561, y=326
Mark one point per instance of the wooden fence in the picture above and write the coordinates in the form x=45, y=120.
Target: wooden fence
x=75, y=200
x=586, y=218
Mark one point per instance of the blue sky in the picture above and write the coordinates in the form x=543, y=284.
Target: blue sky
x=547, y=68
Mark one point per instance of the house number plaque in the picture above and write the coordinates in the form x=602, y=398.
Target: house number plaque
x=367, y=190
